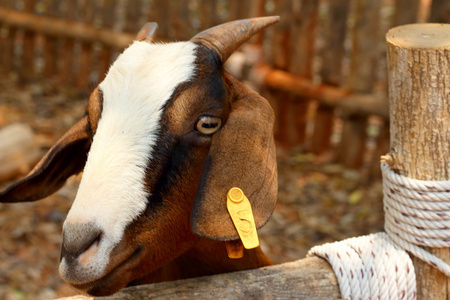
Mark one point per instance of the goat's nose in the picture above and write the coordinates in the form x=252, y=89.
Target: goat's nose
x=78, y=239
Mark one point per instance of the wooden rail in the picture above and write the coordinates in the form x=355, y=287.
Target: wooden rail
x=309, y=278
x=352, y=103
x=62, y=28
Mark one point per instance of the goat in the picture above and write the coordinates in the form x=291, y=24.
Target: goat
x=164, y=137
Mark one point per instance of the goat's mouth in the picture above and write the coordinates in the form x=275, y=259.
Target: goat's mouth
x=114, y=280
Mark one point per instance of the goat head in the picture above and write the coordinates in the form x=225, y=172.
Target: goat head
x=165, y=136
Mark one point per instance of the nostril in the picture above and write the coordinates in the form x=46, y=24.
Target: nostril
x=79, y=238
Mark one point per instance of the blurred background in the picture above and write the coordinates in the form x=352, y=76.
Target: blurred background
x=322, y=68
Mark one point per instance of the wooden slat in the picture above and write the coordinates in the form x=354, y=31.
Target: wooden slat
x=363, y=69
x=332, y=54
x=132, y=16
x=406, y=12
x=85, y=63
x=8, y=45
x=303, y=40
x=106, y=52
x=85, y=58
x=50, y=56
x=66, y=70
x=238, y=9
x=8, y=58
x=50, y=51
x=260, y=11
x=160, y=12
x=67, y=56
x=208, y=15
x=280, y=59
x=27, y=65
x=181, y=21
x=366, y=37
x=440, y=11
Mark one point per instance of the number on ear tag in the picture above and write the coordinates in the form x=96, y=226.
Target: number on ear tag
x=241, y=213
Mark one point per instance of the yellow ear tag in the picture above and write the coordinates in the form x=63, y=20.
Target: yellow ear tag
x=241, y=213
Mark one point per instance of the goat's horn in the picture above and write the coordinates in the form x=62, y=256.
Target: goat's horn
x=226, y=38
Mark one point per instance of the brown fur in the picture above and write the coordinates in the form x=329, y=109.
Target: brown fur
x=181, y=233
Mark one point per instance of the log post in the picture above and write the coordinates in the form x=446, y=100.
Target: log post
x=419, y=76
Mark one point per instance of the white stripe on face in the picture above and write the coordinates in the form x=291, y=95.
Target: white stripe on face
x=112, y=191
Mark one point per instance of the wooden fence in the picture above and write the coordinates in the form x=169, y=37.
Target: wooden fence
x=323, y=67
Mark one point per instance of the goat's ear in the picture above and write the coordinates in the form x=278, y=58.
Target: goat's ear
x=147, y=32
x=243, y=155
x=68, y=156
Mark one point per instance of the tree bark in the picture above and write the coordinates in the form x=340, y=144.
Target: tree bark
x=419, y=73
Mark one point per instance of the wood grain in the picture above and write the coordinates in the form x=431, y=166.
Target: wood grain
x=309, y=278
x=419, y=72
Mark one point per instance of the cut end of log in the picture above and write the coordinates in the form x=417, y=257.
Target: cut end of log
x=420, y=36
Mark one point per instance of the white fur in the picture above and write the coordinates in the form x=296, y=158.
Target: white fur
x=112, y=191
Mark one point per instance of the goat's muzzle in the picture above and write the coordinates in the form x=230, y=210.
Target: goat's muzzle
x=89, y=261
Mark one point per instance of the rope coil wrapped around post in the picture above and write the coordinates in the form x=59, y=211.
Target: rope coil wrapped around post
x=370, y=267
x=417, y=213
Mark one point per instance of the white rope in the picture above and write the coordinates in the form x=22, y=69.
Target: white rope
x=417, y=213
x=370, y=267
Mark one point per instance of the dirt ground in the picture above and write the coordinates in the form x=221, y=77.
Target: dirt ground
x=318, y=203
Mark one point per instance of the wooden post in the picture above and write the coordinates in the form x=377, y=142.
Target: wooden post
x=419, y=75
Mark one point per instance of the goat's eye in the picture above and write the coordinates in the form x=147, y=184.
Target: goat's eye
x=208, y=124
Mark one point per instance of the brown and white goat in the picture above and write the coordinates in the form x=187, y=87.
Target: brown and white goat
x=165, y=136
